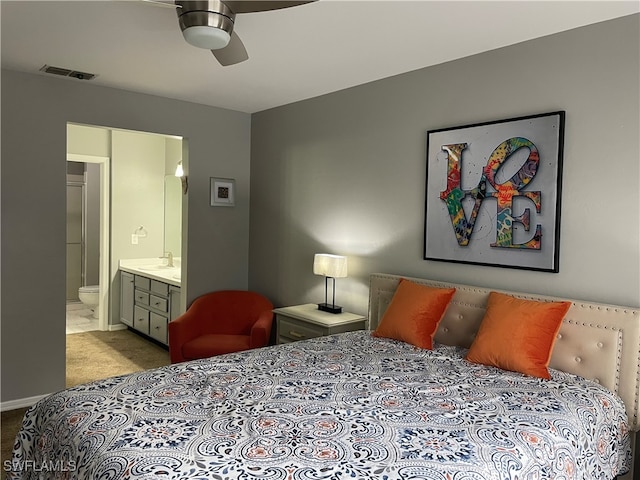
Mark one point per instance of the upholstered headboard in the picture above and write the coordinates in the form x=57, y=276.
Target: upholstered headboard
x=596, y=341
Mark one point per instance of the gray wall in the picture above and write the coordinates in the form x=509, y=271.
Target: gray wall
x=345, y=173
x=35, y=112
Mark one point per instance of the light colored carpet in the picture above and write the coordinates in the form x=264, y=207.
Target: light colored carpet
x=93, y=356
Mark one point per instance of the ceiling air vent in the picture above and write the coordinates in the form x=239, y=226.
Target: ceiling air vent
x=65, y=72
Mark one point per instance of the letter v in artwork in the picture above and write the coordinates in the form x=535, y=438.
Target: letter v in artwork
x=454, y=194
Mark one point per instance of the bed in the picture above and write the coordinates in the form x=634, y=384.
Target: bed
x=358, y=406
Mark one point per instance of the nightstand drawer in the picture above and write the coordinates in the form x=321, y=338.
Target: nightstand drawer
x=300, y=322
x=296, y=330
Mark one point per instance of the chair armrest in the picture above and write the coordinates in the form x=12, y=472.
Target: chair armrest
x=181, y=330
x=261, y=330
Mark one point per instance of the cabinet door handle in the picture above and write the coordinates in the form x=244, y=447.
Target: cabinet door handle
x=295, y=334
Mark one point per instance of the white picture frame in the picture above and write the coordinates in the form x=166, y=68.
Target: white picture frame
x=223, y=192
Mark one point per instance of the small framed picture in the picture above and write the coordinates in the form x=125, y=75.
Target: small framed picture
x=223, y=192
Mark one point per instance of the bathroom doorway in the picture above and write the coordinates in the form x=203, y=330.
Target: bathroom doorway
x=135, y=169
x=87, y=240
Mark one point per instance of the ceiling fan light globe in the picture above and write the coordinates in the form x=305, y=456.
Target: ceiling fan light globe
x=207, y=37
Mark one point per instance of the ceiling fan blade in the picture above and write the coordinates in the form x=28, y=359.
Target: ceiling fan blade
x=232, y=53
x=248, y=6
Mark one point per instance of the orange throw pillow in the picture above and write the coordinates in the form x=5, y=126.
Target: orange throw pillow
x=414, y=313
x=517, y=334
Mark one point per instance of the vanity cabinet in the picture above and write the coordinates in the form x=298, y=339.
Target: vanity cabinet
x=151, y=303
x=126, y=298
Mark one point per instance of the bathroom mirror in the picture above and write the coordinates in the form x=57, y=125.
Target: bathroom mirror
x=172, y=215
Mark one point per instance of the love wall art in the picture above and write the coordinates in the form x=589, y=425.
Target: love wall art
x=493, y=193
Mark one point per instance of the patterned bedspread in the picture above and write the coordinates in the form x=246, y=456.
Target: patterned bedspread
x=346, y=406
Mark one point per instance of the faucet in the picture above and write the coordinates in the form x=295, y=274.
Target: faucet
x=169, y=257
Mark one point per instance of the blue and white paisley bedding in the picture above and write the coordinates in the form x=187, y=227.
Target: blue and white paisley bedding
x=344, y=406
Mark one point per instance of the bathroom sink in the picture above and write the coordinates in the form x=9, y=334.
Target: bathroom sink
x=153, y=268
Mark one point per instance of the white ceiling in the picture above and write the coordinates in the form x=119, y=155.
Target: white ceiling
x=294, y=54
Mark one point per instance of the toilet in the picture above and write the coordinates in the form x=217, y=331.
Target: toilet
x=90, y=296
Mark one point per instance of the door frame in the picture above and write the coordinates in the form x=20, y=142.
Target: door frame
x=105, y=248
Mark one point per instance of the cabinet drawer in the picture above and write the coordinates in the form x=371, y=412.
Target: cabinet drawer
x=159, y=288
x=142, y=297
x=158, y=303
x=141, y=319
x=142, y=282
x=295, y=330
x=158, y=327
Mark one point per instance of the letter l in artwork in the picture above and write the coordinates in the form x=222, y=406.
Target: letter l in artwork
x=454, y=195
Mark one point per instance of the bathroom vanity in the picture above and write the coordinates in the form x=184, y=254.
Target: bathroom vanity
x=149, y=297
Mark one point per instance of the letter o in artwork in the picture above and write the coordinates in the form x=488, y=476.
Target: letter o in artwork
x=502, y=153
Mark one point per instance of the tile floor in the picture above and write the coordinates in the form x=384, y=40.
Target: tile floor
x=80, y=318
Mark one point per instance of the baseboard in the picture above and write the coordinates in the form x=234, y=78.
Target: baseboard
x=21, y=403
x=119, y=326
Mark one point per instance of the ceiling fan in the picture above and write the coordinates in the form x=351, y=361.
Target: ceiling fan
x=209, y=24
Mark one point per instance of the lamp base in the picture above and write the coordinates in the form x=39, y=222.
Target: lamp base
x=327, y=307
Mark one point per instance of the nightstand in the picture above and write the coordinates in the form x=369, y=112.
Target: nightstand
x=306, y=321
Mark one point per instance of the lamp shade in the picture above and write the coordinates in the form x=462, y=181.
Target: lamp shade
x=330, y=265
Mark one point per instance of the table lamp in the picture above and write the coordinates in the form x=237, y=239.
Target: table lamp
x=330, y=266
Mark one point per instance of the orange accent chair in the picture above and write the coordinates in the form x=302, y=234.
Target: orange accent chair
x=221, y=322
